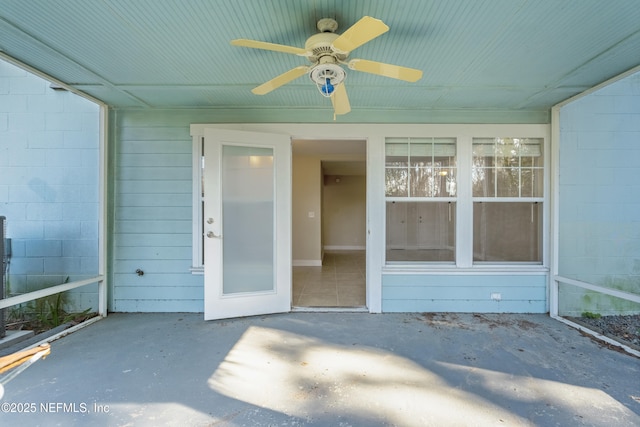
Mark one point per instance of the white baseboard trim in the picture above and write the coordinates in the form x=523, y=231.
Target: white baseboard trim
x=307, y=263
x=344, y=248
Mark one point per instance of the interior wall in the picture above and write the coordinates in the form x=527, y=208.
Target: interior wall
x=344, y=212
x=307, y=210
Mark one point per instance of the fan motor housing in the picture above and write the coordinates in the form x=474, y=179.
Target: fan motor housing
x=320, y=45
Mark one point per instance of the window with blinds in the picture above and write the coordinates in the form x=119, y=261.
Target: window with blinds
x=507, y=167
x=420, y=167
x=507, y=190
x=420, y=189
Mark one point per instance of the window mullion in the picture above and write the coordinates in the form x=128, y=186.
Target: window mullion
x=409, y=192
x=519, y=173
x=464, y=205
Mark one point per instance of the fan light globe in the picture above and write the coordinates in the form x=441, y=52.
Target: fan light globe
x=327, y=77
x=327, y=88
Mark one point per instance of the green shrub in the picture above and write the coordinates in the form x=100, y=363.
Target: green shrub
x=590, y=315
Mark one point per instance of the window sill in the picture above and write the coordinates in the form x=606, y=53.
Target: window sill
x=517, y=269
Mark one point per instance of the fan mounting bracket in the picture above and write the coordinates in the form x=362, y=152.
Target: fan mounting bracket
x=327, y=25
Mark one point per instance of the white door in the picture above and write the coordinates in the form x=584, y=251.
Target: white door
x=247, y=223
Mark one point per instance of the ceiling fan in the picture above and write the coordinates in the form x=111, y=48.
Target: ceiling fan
x=327, y=51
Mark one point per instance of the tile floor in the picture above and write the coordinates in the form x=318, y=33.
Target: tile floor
x=340, y=282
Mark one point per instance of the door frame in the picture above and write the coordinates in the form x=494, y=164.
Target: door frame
x=374, y=139
x=328, y=157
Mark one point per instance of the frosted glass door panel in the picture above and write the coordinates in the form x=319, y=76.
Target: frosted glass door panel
x=248, y=251
x=247, y=223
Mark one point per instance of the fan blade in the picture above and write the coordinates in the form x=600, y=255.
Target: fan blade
x=282, y=79
x=366, y=29
x=340, y=100
x=386, y=70
x=269, y=46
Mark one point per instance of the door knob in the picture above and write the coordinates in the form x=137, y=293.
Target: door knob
x=212, y=235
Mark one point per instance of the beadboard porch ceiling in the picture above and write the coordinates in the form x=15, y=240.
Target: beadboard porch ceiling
x=482, y=60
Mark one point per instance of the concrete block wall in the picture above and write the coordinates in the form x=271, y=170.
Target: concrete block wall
x=49, y=156
x=600, y=196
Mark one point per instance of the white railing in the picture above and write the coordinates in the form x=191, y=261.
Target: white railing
x=608, y=291
x=584, y=285
x=30, y=296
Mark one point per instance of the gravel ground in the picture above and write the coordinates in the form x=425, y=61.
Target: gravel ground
x=625, y=329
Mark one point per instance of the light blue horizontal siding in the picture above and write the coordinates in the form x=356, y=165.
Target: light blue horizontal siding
x=174, y=129
x=154, y=253
x=146, y=173
x=150, y=305
x=467, y=292
x=152, y=213
x=463, y=306
x=154, y=147
x=152, y=266
x=152, y=202
x=139, y=240
x=130, y=278
x=152, y=225
x=464, y=293
x=155, y=227
x=159, y=292
x=156, y=160
x=303, y=115
x=156, y=186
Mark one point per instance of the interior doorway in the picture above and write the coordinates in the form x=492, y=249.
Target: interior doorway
x=329, y=223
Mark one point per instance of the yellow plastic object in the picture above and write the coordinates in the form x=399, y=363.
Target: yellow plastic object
x=282, y=79
x=16, y=359
x=386, y=70
x=255, y=44
x=366, y=29
x=340, y=100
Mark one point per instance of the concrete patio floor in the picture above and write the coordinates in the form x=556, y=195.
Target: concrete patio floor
x=329, y=369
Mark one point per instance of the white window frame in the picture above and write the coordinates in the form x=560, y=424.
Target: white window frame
x=514, y=199
x=197, y=259
x=420, y=199
x=464, y=204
